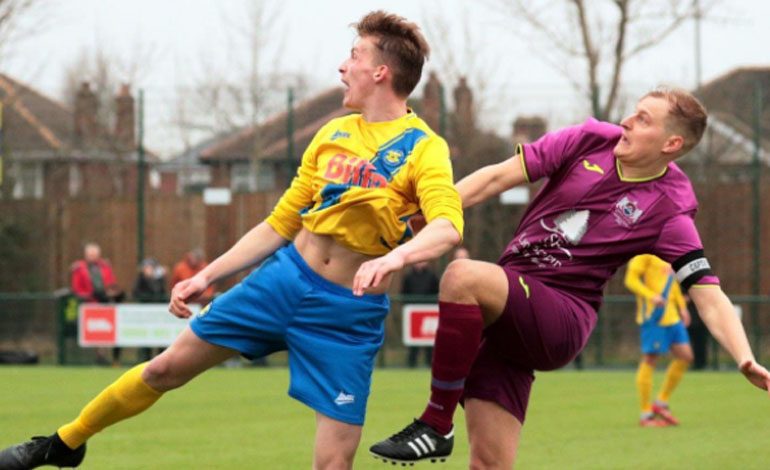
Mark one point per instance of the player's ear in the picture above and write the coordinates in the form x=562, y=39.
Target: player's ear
x=381, y=72
x=673, y=144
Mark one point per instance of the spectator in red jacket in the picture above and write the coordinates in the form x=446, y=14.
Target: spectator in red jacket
x=92, y=279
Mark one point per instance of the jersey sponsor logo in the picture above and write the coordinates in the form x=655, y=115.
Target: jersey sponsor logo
x=344, y=399
x=338, y=134
x=627, y=212
x=567, y=229
x=592, y=167
x=354, y=171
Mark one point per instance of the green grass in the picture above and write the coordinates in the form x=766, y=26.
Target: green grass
x=243, y=419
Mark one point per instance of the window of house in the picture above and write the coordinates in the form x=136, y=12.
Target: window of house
x=28, y=180
x=75, y=180
x=252, y=176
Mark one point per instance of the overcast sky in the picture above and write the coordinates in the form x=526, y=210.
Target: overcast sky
x=177, y=37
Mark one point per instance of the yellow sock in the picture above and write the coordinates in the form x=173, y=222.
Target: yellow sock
x=674, y=374
x=644, y=385
x=126, y=397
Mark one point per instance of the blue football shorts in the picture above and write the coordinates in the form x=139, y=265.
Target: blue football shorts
x=658, y=339
x=332, y=336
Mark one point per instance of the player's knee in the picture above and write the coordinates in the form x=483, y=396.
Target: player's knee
x=457, y=281
x=333, y=461
x=485, y=459
x=159, y=375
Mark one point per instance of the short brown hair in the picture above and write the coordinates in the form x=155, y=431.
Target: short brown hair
x=687, y=115
x=401, y=45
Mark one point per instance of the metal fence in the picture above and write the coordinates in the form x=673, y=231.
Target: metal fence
x=45, y=324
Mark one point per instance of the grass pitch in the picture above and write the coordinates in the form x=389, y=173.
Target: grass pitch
x=243, y=419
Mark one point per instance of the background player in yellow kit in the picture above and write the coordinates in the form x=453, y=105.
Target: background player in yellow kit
x=661, y=312
x=325, y=254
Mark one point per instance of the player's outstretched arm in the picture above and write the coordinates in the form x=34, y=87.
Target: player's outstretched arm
x=490, y=181
x=718, y=314
x=258, y=243
x=435, y=239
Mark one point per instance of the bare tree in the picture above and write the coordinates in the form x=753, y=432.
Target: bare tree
x=602, y=35
x=11, y=12
x=245, y=90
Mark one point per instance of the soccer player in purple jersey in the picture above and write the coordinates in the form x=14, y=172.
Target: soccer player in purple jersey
x=612, y=192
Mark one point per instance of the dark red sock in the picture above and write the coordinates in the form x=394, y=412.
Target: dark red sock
x=457, y=342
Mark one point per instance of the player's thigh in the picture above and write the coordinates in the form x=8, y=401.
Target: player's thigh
x=478, y=282
x=187, y=357
x=335, y=443
x=493, y=434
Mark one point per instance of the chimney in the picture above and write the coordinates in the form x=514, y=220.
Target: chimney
x=528, y=129
x=86, y=107
x=431, y=102
x=124, y=121
x=464, y=119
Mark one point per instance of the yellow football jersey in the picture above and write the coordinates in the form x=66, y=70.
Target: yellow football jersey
x=360, y=181
x=646, y=276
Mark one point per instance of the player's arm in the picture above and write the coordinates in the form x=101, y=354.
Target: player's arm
x=491, y=180
x=260, y=242
x=441, y=207
x=718, y=314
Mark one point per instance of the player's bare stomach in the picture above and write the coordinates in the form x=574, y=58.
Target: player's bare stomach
x=333, y=261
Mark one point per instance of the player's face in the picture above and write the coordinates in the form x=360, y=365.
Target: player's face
x=358, y=72
x=644, y=132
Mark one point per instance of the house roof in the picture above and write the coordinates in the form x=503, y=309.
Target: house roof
x=37, y=127
x=308, y=117
x=733, y=94
x=31, y=120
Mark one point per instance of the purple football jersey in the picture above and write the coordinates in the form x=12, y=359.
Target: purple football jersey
x=587, y=220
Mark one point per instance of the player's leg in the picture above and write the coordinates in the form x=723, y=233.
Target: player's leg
x=335, y=443
x=644, y=381
x=682, y=358
x=133, y=392
x=472, y=294
x=491, y=446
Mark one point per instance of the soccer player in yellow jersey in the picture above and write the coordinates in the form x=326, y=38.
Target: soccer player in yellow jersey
x=326, y=255
x=662, y=314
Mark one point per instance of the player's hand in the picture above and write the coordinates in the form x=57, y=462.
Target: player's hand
x=756, y=374
x=658, y=301
x=183, y=292
x=372, y=272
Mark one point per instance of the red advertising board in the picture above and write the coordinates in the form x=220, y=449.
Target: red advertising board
x=420, y=322
x=97, y=325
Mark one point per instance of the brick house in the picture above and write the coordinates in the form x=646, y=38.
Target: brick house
x=50, y=151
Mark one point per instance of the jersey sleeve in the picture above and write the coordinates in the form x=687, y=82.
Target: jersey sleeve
x=285, y=217
x=434, y=184
x=555, y=149
x=680, y=245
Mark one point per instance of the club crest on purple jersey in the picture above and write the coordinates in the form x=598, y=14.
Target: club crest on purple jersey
x=627, y=212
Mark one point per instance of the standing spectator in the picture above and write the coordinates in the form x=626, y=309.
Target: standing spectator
x=420, y=280
x=149, y=287
x=150, y=284
x=192, y=263
x=92, y=280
